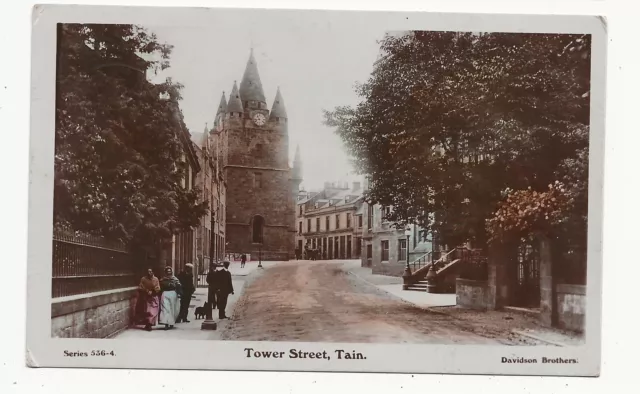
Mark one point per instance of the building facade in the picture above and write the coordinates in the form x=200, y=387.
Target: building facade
x=254, y=159
x=329, y=221
x=385, y=247
x=210, y=239
x=183, y=245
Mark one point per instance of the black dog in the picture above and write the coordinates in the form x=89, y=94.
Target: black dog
x=201, y=311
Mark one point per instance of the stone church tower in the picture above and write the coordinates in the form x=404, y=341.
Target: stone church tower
x=261, y=187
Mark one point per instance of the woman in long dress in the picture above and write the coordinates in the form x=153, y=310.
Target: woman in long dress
x=169, y=304
x=149, y=300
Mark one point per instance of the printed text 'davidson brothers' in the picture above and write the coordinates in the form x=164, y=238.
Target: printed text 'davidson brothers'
x=339, y=354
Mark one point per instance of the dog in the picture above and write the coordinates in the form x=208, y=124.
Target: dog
x=201, y=311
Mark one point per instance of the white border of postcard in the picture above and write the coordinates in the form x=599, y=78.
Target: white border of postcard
x=45, y=351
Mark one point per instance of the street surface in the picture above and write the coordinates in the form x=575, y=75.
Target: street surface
x=320, y=301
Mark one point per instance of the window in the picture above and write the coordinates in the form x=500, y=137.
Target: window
x=317, y=224
x=359, y=221
x=326, y=223
x=402, y=250
x=257, y=180
x=369, y=251
x=370, y=217
x=300, y=210
x=384, y=246
x=299, y=227
x=385, y=211
x=308, y=225
x=258, y=224
x=337, y=221
x=348, y=220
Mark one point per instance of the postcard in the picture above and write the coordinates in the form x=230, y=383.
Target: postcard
x=306, y=190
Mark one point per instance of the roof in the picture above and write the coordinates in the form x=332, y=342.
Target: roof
x=278, y=109
x=250, y=86
x=235, y=103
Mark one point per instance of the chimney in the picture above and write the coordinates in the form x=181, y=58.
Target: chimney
x=356, y=186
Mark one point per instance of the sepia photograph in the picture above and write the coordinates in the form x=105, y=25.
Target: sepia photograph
x=320, y=187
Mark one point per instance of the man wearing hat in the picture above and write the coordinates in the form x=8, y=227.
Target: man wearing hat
x=188, y=288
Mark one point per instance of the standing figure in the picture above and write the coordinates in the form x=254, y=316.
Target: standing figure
x=224, y=288
x=148, y=300
x=171, y=291
x=212, y=278
x=188, y=288
x=243, y=260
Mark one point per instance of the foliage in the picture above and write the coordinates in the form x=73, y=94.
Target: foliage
x=525, y=212
x=448, y=121
x=119, y=139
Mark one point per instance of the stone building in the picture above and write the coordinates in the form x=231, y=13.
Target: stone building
x=254, y=160
x=210, y=240
x=385, y=247
x=329, y=222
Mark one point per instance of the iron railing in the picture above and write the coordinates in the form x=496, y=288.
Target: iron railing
x=85, y=264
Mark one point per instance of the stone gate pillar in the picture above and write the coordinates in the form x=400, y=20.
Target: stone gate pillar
x=548, y=309
x=498, y=276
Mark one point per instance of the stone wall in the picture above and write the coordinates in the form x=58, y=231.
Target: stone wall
x=473, y=294
x=384, y=268
x=571, y=306
x=94, y=315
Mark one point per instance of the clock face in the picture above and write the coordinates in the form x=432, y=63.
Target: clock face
x=259, y=119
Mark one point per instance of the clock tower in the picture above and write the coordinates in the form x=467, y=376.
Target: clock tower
x=260, y=201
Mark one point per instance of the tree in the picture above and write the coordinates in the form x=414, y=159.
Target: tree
x=448, y=121
x=118, y=148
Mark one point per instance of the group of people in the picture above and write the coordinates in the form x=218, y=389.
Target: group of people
x=165, y=301
x=309, y=254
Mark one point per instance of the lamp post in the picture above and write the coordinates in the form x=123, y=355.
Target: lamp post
x=208, y=323
x=260, y=254
x=406, y=276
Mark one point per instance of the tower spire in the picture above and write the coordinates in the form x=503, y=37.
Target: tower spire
x=297, y=165
x=235, y=103
x=278, y=109
x=250, y=86
x=222, y=107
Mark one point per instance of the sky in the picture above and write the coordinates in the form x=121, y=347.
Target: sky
x=315, y=64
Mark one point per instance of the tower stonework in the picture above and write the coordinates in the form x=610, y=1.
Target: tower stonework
x=260, y=204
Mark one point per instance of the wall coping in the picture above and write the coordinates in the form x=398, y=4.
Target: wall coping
x=571, y=289
x=66, y=305
x=472, y=282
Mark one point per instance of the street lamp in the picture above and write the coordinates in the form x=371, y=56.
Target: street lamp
x=406, y=276
x=260, y=254
x=407, y=232
x=208, y=323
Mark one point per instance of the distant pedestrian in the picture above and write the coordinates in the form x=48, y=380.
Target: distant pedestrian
x=188, y=288
x=148, y=300
x=243, y=260
x=212, y=277
x=171, y=292
x=224, y=288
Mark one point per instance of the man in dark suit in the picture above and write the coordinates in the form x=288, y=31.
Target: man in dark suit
x=224, y=288
x=188, y=288
x=212, y=281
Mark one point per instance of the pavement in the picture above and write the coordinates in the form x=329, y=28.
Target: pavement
x=192, y=329
x=393, y=285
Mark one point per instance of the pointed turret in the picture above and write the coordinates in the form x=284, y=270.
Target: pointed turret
x=250, y=86
x=297, y=165
x=235, y=103
x=222, y=107
x=204, y=144
x=278, y=110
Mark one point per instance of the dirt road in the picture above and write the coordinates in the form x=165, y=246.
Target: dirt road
x=319, y=301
